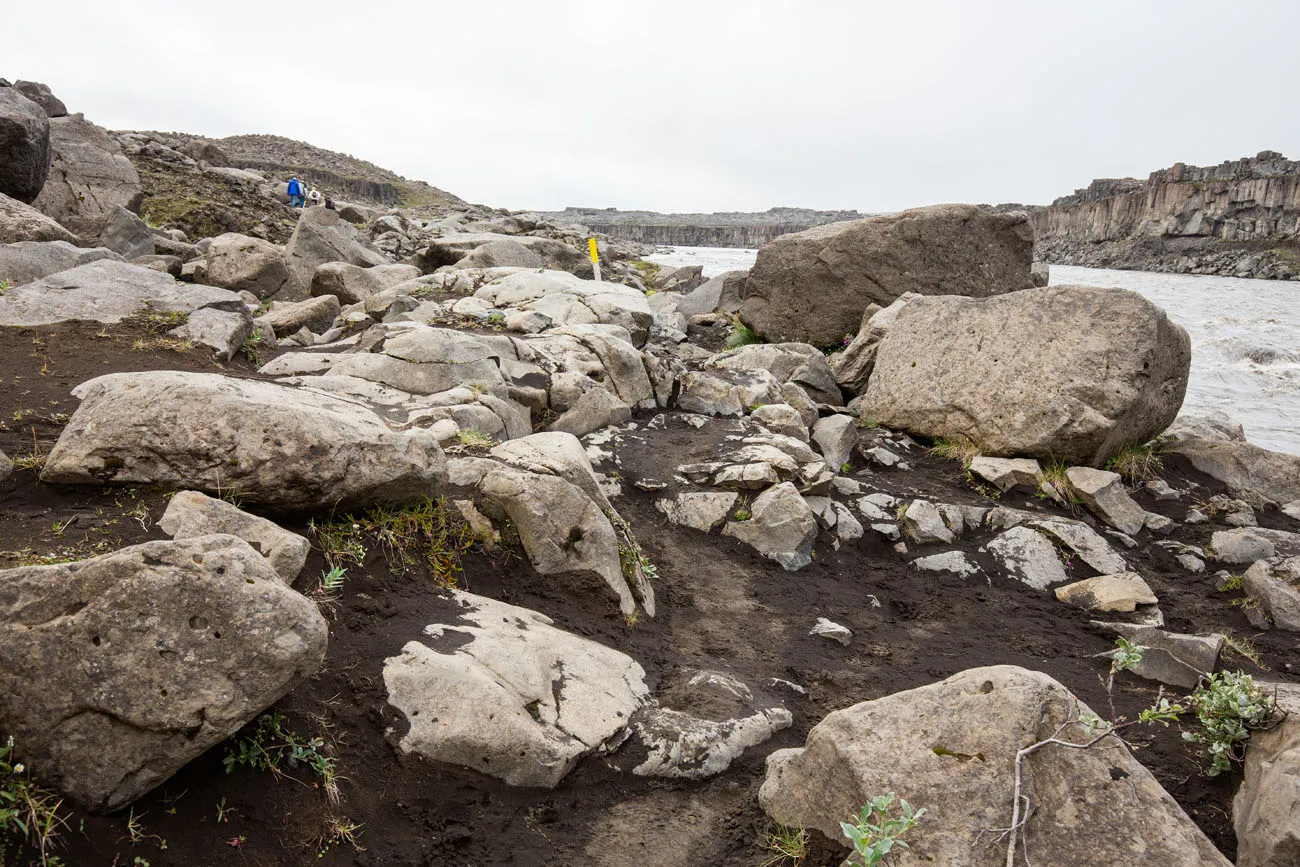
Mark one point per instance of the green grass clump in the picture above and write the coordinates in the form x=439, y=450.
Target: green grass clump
x=955, y=448
x=1137, y=463
x=28, y=811
x=741, y=335
x=427, y=534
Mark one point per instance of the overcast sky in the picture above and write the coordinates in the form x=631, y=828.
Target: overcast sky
x=695, y=106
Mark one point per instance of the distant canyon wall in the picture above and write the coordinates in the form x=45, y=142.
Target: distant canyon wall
x=1240, y=218
x=723, y=229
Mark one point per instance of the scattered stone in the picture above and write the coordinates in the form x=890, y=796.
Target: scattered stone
x=191, y=514
x=1170, y=657
x=288, y=317
x=177, y=645
x=499, y=689
x=1191, y=563
x=276, y=446
x=1272, y=584
x=1120, y=593
x=883, y=456
x=1160, y=490
x=597, y=408
x=836, y=435
x=221, y=330
x=1194, y=517
x=1006, y=473
x=813, y=286
x=1028, y=557
x=727, y=392
x=994, y=371
x=955, y=562
x=323, y=236
x=22, y=222
x=923, y=523
x=781, y=527
x=42, y=95
x=951, y=747
x=352, y=284
x=832, y=630
x=240, y=263
x=28, y=261
x=781, y=418
x=1159, y=524
x=699, y=511
x=1240, y=546
x=1104, y=495
x=1084, y=541
x=1221, y=452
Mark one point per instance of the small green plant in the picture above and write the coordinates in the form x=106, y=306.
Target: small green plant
x=223, y=812
x=251, y=345
x=955, y=448
x=5, y=286
x=27, y=810
x=331, y=581
x=649, y=270
x=471, y=440
x=866, y=422
x=1137, y=463
x=1231, y=583
x=742, y=515
x=786, y=845
x=1245, y=648
x=875, y=835
x=496, y=319
x=425, y=533
x=1229, y=706
x=339, y=830
x=274, y=747
x=741, y=335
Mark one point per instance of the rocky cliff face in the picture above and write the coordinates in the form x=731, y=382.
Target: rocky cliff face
x=1240, y=218
x=723, y=229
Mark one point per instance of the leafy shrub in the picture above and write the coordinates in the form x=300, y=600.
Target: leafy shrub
x=1229, y=705
x=876, y=835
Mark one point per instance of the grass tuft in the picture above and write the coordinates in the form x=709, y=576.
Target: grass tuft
x=427, y=533
x=785, y=845
x=956, y=448
x=27, y=810
x=1138, y=463
x=741, y=335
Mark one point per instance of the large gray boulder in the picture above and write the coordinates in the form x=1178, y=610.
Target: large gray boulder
x=190, y=514
x=323, y=236
x=28, y=261
x=812, y=286
x=1064, y=373
x=951, y=747
x=453, y=249
x=274, y=445
x=125, y=234
x=506, y=253
x=721, y=294
x=107, y=291
x=116, y=671
x=352, y=284
x=42, y=95
x=781, y=527
x=1266, y=806
x=1217, y=448
x=89, y=179
x=499, y=689
x=238, y=262
x=24, y=146
x=20, y=222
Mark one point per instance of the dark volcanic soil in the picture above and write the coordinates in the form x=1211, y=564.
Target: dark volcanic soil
x=720, y=607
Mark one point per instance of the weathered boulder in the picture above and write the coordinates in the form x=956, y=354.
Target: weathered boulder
x=1027, y=556
x=20, y=222
x=781, y=418
x=1264, y=810
x=1240, y=546
x=1171, y=657
x=781, y=527
x=107, y=291
x=570, y=300
x=595, y=409
x=1065, y=373
x=453, y=249
x=276, y=446
x=352, y=284
x=1123, y=592
x=289, y=317
x=24, y=146
x=1272, y=584
x=1223, y=453
x=323, y=236
x=505, y=253
x=223, y=331
x=89, y=179
x=1103, y=493
x=700, y=510
x=28, y=261
x=124, y=233
x=720, y=294
x=812, y=286
x=796, y=363
x=42, y=95
x=835, y=436
x=191, y=514
x=499, y=689
x=1006, y=473
x=177, y=645
x=951, y=747
x=241, y=263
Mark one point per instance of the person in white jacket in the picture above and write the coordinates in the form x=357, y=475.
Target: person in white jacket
x=315, y=197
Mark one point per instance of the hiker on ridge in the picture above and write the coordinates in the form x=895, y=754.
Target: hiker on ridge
x=295, y=193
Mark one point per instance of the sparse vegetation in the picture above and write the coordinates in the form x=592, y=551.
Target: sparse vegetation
x=425, y=533
x=274, y=747
x=741, y=335
x=473, y=441
x=866, y=422
x=786, y=846
x=1231, y=583
x=1229, y=706
x=5, y=286
x=649, y=270
x=28, y=811
x=742, y=514
x=876, y=835
x=1245, y=648
x=1137, y=463
x=956, y=448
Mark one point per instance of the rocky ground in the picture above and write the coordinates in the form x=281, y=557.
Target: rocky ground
x=405, y=541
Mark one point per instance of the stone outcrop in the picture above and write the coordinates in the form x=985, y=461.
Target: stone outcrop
x=28, y=261
x=728, y=229
x=178, y=644
x=813, y=287
x=1064, y=373
x=1240, y=218
x=1264, y=810
x=24, y=146
x=951, y=748
x=21, y=222
x=90, y=178
x=323, y=236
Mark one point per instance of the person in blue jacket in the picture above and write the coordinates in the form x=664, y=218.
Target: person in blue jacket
x=296, y=197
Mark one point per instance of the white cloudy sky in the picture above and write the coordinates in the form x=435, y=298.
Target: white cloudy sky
x=703, y=105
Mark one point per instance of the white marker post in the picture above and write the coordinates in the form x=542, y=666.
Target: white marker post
x=595, y=258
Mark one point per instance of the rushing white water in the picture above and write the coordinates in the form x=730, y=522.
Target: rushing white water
x=1245, y=337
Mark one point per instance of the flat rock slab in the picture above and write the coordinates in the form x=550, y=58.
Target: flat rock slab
x=107, y=291
x=1121, y=593
x=276, y=446
x=499, y=689
x=176, y=646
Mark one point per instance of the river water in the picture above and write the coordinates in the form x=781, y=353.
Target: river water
x=1245, y=337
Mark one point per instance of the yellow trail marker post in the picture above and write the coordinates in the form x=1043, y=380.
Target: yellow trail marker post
x=595, y=257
